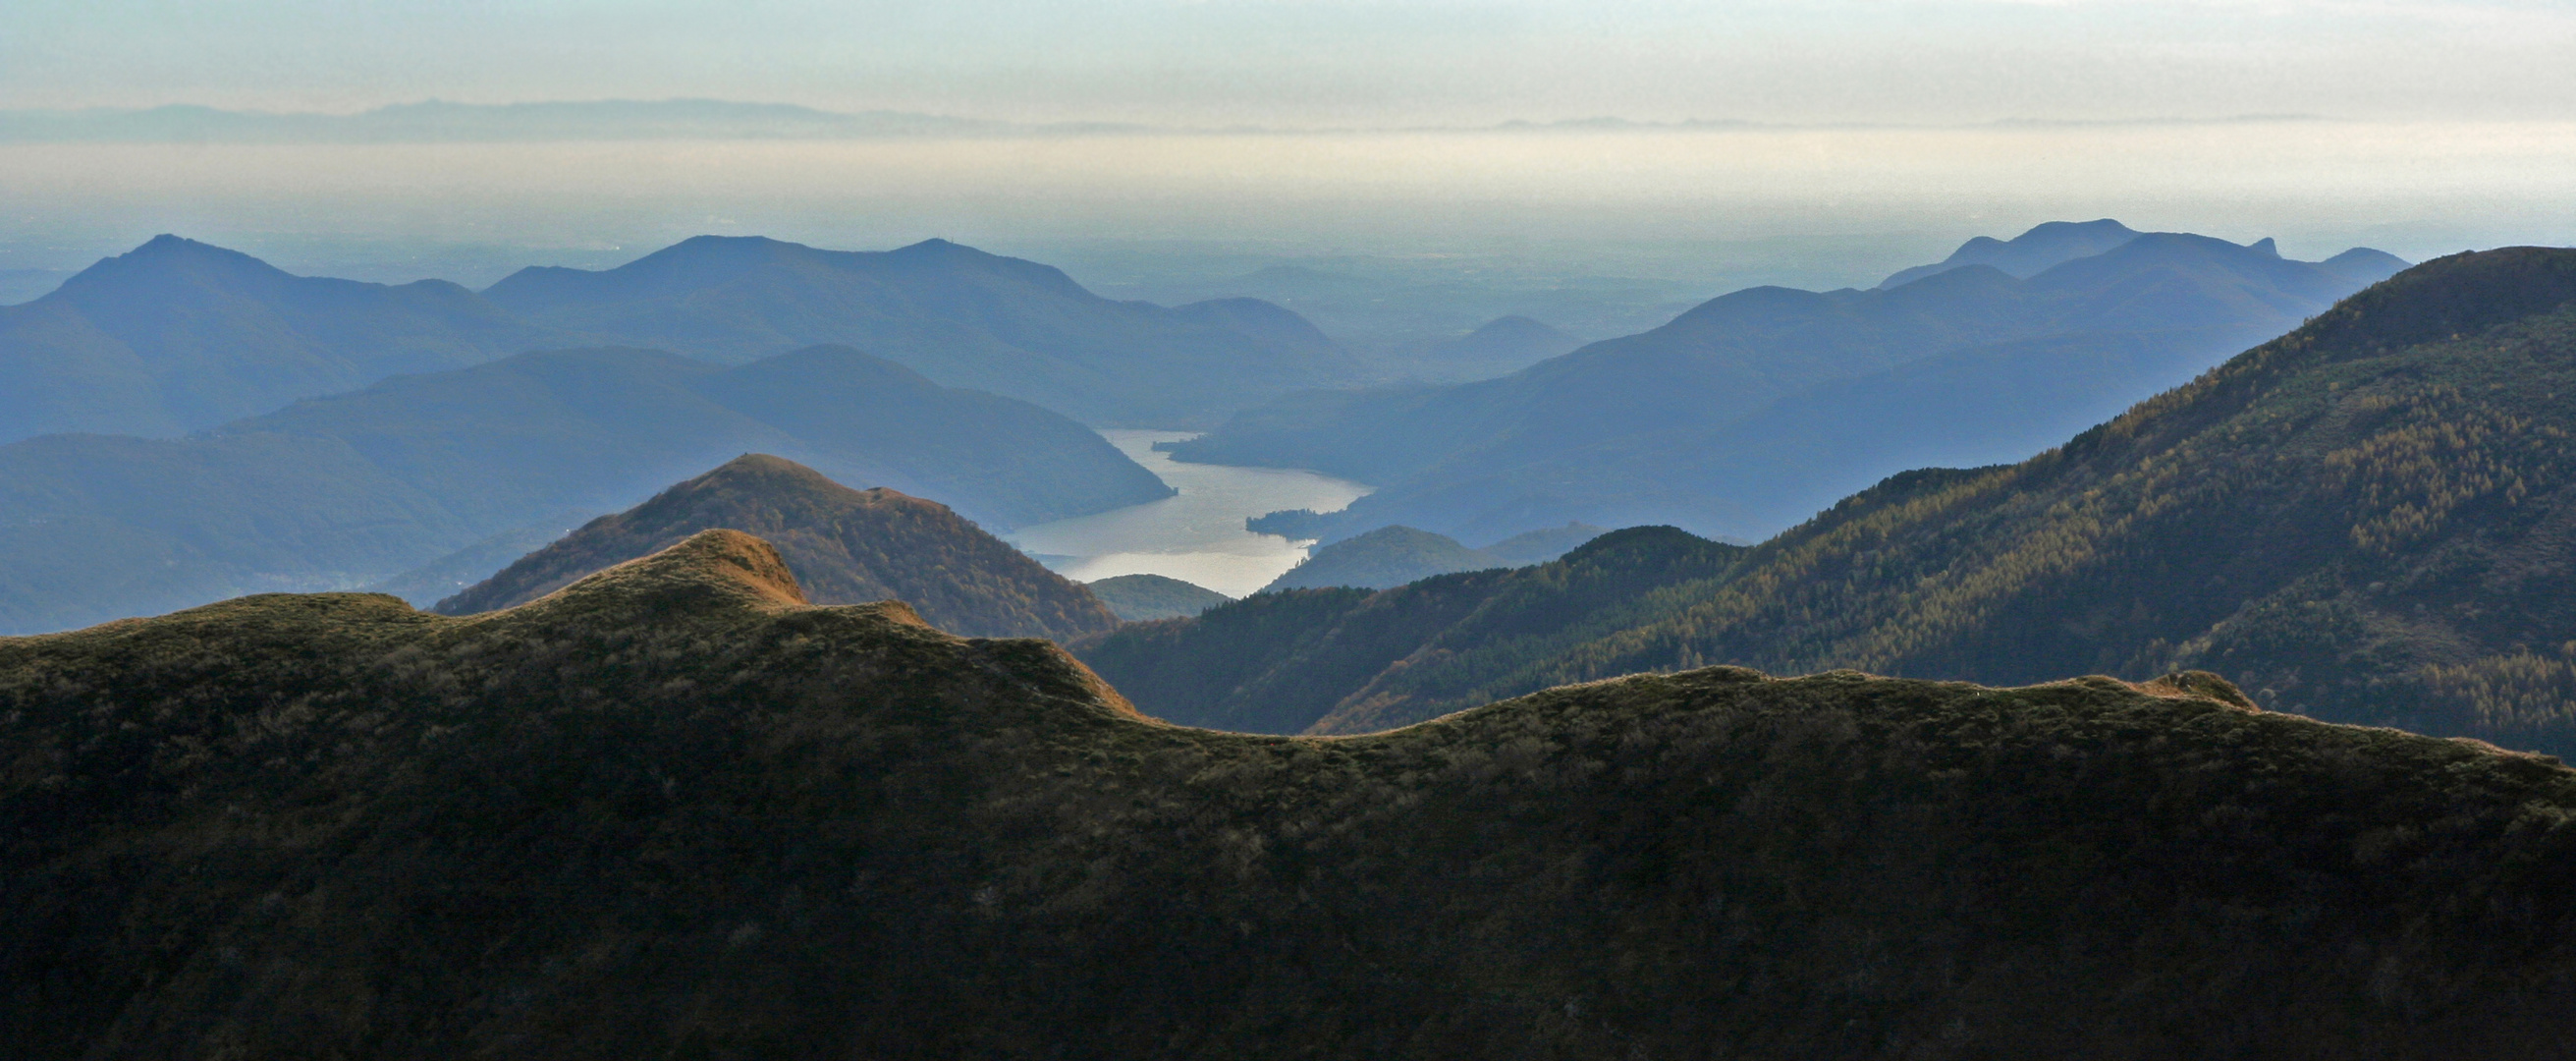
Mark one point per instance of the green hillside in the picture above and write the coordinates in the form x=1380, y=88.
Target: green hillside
x=672, y=812
x=2367, y=520
x=1138, y=598
x=845, y=546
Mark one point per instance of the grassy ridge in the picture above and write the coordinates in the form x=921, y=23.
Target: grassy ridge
x=672, y=812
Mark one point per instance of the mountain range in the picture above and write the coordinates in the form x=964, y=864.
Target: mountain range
x=844, y=546
x=1754, y=410
x=178, y=336
x=675, y=811
x=348, y=490
x=2367, y=520
x=952, y=313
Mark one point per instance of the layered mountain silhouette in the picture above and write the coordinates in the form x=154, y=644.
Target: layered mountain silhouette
x=2366, y=520
x=2044, y=247
x=674, y=811
x=348, y=490
x=956, y=314
x=845, y=546
x=1141, y=597
x=177, y=335
x=1393, y=556
x=1755, y=410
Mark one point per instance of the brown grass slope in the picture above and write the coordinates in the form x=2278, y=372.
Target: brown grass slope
x=2371, y=519
x=672, y=812
x=847, y=547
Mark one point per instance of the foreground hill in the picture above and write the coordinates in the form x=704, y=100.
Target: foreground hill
x=2368, y=520
x=953, y=313
x=1756, y=409
x=672, y=812
x=177, y=335
x=348, y=490
x=845, y=546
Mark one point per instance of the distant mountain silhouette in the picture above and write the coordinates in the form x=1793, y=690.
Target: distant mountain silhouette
x=351, y=489
x=2366, y=520
x=177, y=335
x=1504, y=344
x=1756, y=409
x=953, y=313
x=1141, y=598
x=2034, y=252
x=845, y=546
x=674, y=811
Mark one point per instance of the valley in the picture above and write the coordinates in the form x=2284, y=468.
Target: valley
x=1197, y=535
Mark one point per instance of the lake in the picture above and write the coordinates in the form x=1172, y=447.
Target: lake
x=1196, y=536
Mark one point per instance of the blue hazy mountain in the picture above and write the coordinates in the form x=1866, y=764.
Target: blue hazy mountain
x=955, y=314
x=177, y=335
x=2027, y=255
x=353, y=489
x=1757, y=408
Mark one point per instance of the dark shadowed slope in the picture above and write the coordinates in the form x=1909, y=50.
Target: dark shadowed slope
x=952, y=313
x=177, y=335
x=671, y=812
x=348, y=490
x=2368, y=520
x=1320, y=659
x=846, y=547
x=1758, y=408
x=1139, y=598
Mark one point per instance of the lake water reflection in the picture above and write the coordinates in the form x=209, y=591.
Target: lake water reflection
x=1196, y=536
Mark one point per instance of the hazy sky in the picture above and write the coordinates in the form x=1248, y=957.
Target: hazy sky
x=2430, y=127
x=1324, y=62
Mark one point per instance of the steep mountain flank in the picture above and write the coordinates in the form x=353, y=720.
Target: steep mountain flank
x=952, y=313
x=1138, y=598
x=672, y=812
x=846, y=547
x=1757, y=409
x=177, y=335
x=352, y=489
x=2368, y=520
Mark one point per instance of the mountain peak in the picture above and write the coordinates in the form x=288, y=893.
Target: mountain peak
x=169, y=255
x=846, y=546
x=711, y=569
